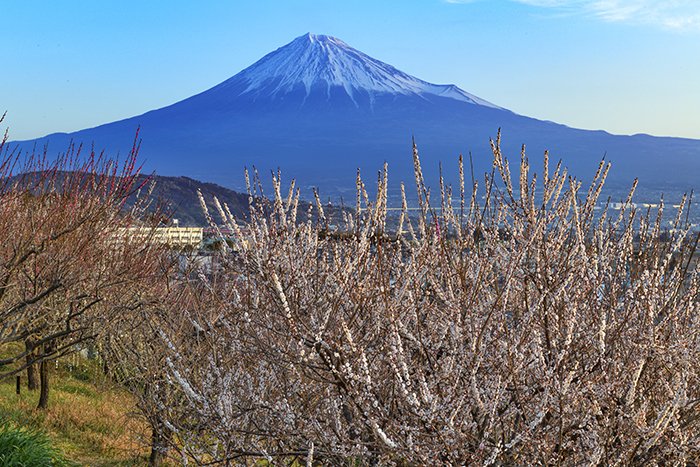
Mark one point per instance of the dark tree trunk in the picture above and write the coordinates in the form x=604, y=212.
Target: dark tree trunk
x=159, y=445
x=105, y=366
x=32, y=382
x=44, y=377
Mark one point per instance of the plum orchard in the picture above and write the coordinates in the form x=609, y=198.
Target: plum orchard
x=516, y=325
x=63, y=269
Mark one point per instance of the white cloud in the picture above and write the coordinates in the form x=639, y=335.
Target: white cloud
x=669, y=14
x=548, y=3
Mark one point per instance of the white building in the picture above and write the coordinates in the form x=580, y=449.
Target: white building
x=173, y=236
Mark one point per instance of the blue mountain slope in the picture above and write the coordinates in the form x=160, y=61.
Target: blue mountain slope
x=318, y=109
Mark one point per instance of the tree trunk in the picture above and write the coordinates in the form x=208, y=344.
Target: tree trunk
x=105, y=366
x=32, y=383
x=44, y=377
x=159, y=445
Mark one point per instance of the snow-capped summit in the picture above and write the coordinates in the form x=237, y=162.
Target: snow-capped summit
x=320, y=63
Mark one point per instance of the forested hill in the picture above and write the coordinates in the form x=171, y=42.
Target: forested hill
x=178, y=197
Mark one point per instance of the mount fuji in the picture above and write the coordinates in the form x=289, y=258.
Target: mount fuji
x=318, y=109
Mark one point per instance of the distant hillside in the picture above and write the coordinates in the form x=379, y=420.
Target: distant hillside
x=176, y=198
x=178, y=195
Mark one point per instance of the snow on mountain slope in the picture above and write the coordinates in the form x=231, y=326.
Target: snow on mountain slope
x=318, y=60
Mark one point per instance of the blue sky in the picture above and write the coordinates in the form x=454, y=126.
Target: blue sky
x=626, y=66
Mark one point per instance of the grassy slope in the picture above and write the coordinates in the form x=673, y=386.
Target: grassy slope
x=89, y=419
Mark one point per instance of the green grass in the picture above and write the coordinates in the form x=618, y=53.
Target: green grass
x=26, y=447
x=90, y=420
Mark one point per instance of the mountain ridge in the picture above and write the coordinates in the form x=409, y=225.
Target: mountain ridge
x=319, y=109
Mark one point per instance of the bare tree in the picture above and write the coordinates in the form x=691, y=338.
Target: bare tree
x=62, y=262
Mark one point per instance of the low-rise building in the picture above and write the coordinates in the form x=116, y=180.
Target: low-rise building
x=173, y=236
